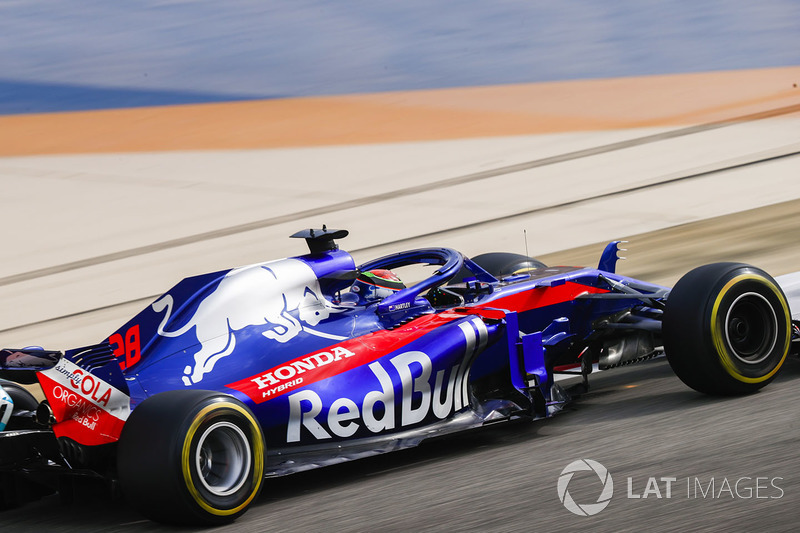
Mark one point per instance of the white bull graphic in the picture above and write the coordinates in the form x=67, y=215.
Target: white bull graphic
x=249, y=296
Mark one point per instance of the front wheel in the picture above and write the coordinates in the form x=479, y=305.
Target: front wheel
x=727, y=329
x=191, y=457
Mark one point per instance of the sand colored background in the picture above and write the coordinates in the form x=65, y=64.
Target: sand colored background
x=110, y=208
x=426, y=115
x=105, y=210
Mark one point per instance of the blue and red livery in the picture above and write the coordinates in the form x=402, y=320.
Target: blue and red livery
x=282, y=366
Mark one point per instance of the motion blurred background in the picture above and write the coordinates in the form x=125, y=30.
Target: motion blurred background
x=145, y=141
x=64, y=56
x=168, y=138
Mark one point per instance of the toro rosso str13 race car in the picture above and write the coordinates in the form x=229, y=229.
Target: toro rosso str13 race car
x=287, y=365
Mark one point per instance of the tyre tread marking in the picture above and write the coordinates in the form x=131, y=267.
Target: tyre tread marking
x=718, y=339
x=187, y=462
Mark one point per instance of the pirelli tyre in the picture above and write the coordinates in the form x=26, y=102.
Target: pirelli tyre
x=726, y=329
x=191, y=457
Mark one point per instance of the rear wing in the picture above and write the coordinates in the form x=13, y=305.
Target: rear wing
x=21, y=364
x=28, y=359
x=85, y=389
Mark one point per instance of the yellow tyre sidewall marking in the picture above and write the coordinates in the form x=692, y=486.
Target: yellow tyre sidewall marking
x=719, y=340
x=187, y=460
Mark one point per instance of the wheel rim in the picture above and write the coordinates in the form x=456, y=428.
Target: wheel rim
x=751, y=327
x=223, y=458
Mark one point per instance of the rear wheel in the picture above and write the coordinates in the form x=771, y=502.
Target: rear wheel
x=727, y=329
x=191, y=457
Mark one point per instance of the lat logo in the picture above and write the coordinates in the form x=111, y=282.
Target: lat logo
x=586, y=509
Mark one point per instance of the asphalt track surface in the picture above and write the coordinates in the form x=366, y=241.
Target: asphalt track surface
x=640, y=422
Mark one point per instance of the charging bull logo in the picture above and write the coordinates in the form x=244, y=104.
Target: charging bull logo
x=255, y=295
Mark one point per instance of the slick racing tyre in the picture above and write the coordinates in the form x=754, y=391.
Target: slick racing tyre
x=727, y=329
x=191, y=457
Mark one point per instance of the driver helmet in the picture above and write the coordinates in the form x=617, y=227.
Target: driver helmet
x=376, y=284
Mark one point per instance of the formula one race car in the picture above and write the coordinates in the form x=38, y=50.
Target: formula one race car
x=283, y=366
